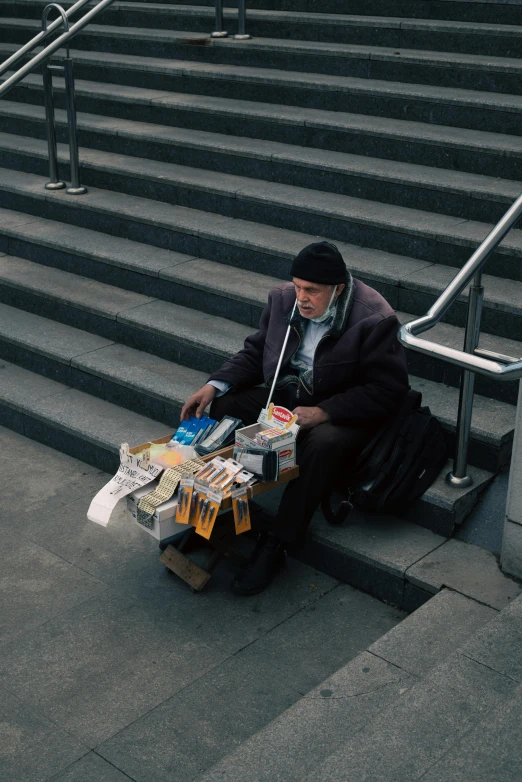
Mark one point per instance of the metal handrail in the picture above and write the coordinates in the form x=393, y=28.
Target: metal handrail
x=38, y=39
x=408, y=334
x=473, y=360
x=51, y=48
x=43, y=57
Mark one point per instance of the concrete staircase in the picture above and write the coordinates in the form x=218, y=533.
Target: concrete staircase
x=441, y=686
x=392, y=128
x=413, y=703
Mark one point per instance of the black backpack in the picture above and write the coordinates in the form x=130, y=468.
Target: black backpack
x=398, y=465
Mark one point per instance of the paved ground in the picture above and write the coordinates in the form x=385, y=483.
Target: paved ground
x=112, y=669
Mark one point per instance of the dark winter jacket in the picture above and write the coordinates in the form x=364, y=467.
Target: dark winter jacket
x=359, y=375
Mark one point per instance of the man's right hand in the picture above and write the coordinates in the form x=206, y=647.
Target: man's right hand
x=195, y=405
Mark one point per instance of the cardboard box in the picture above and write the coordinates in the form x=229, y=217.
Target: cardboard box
x=275, y=417
x=163, y=520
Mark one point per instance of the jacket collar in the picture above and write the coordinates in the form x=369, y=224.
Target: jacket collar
x=342, y=312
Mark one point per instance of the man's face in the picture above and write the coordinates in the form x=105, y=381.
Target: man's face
x=313, y=298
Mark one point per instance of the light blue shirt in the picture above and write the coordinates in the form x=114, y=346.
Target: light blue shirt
x=314, y=332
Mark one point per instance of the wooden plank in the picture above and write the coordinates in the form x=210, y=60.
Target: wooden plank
x=188, y=571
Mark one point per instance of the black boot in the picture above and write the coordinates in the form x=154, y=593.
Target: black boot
x=267, y=559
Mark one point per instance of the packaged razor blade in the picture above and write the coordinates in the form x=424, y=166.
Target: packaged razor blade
x=213, y=469
x=242, y=478
x=220, y=436
x=241, y=510
x=186, y=490
x=208, y=513
x=199, y=495
x=262, y=463
x=225, y=479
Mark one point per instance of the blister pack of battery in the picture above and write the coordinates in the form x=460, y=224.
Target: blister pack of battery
x=241, y=510
x=220, y=436
x=193, y=430
x=208, y=512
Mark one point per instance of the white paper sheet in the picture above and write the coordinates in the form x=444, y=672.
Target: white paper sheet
x=133, y=472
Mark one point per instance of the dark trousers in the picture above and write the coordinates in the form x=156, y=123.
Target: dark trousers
x=323, y=454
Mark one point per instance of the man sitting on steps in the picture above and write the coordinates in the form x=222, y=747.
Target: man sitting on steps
x=343, y=375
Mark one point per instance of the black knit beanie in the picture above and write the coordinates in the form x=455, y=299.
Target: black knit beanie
x=319, y=262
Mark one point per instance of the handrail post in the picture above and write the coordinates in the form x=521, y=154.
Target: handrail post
x=54, y=182
x=75, y=187
x=459, y=476
x=241, y=22
x=219, y=32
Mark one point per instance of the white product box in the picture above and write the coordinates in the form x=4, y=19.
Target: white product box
x=163, y=521
x=274, y=417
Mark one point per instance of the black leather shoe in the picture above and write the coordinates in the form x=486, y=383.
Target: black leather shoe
x=267, y=559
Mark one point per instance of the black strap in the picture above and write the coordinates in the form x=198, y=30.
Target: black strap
x=342, y=513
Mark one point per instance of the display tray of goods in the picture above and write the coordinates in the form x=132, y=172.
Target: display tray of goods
x=187, y=479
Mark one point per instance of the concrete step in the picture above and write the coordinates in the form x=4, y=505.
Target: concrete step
x=278, y=204
x=481, y=38
x=430, y=238
x=422, y=103
x=490, y=749
x=395, y=559
x=214, y=288
x=132, y=379
x=271, y=249
x=187, y=187
x=240, y=294
x=492, y=154
x=167, y=330
x=471, y=196
x=68, y=420
x=177, y=333
x=448, y=69
x=457, y=703
x=345, y=703
x=496, y=11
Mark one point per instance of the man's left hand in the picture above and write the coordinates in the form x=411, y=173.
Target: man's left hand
x=308, y=417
